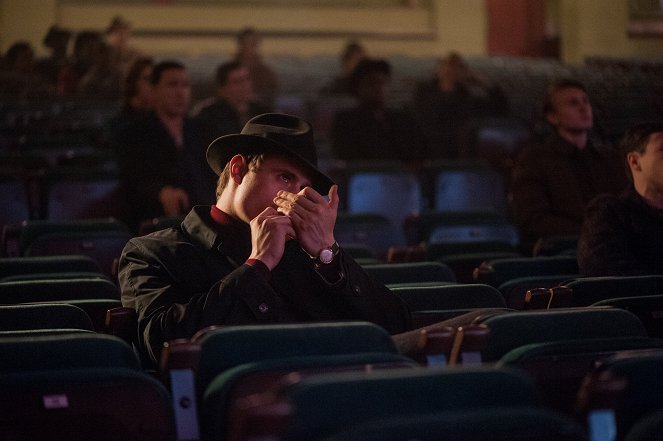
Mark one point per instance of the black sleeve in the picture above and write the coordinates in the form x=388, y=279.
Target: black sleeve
x=604, y=246
x=167, y=310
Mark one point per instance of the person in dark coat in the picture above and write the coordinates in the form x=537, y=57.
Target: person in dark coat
x=265, y=252
x=451, y=101
x=623, y=235
x=161, y=156
x=233, y=105
x=552, y=183
x=372, y=130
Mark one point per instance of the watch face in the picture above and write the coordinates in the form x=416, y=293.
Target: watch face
x=326, y=255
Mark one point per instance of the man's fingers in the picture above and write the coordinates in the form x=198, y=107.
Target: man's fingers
x=289, y=200
x=333, y=197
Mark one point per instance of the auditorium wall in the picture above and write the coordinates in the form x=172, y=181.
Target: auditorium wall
x=304, y=28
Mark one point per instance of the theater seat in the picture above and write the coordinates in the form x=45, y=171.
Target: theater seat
x=100, y=239
x=511, y=330
x=43, y=316
x=101, y=403
x=294, y=411
x=500, y=424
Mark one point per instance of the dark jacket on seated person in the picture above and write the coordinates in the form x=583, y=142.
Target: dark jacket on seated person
x=553, y=183
x=183, y=279
x=621, y=236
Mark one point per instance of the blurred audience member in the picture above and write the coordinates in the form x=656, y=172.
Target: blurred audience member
x=263, y=77
x=122, y=54
x=20, y=58
x=233, y=104
x=57, y=42
x=17, y=77
x=553, y=182
x=87, y=47
x=352, y=54
x=103, y=80
x=447, y=103
x=372, y=130
x=137, y=95
x=623, y=235
x=162, y=156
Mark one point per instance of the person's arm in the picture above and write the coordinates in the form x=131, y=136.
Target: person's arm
x=605, y=246
x=151, y=283
x=313, y=218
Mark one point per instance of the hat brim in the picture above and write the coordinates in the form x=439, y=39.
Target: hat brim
x=222, y=149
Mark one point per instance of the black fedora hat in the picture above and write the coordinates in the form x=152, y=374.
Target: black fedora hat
x=276, y=133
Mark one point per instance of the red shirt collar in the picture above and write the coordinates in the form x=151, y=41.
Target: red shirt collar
x=223, y=218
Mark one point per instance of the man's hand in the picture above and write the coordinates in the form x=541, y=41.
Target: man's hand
x=313, y=216
x=174, y=200
x=269, y=232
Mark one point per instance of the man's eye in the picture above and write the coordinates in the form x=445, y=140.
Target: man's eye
x=285, y=178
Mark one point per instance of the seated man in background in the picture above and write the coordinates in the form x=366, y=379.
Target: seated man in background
x=161, y=156
x=352, y=54
x=372, y=130
x=623, y=235
x=233, y=104
x=448, y=103
x=553, y=183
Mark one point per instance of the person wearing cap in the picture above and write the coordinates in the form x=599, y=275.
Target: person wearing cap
x=265, y=252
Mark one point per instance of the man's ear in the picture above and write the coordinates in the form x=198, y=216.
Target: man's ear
x=238, y=168
x=633, y=161
x=551, y=117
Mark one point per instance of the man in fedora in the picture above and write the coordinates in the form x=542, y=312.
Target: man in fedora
x=264, y=253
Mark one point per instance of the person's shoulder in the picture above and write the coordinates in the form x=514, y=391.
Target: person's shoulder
x=608, y=205
x=532, y=152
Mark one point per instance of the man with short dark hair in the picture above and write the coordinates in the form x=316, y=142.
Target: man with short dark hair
x=265, y=252
x=623, y=235
x=552, y=183
x=233, y=104
x=372, y=130
x=162, y=156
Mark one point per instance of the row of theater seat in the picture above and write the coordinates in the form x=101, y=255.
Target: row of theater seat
x=337, y=381
x=566, y=343
x=448, y=186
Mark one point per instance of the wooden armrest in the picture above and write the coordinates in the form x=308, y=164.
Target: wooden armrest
x=122, y=322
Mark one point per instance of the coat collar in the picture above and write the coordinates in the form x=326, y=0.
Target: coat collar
x=200, y=226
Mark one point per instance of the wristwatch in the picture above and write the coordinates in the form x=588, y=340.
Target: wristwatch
x=327, y=255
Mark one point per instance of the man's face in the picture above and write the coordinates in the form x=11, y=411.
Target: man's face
x=373, y=88
x=572, y=111
x=238, y=88
x=649, y=167
x=172, y=95
x=259, y=188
